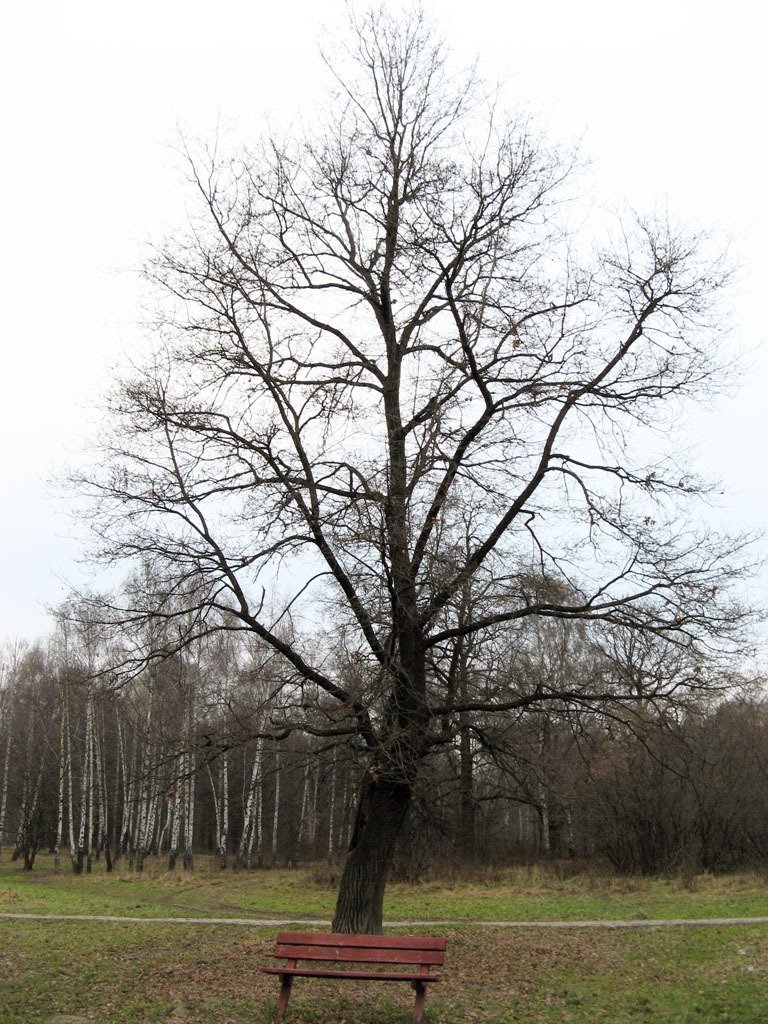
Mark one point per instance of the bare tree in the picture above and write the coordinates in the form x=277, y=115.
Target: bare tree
x=375, y=336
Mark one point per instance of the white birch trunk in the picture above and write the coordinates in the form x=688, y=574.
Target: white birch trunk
x=246, y=840
x=333, y=807
x=174, y=810
x=346, y=824
x=70, y=794
x=27, y=817
x=81, y=834
x=62, y=787
x=224, y=835
x=4, y=794
x=165, y=825
x=314, y=817
x=130, y=801
x=259, y=824
x=90, y=833
x=154, y=820
x=544, y=825
x=216, y=808
x=144, y=810
x=116, y=791
x=101, y=780
x=276, y=815
x=256, y=834
x=144, y=823
x=303, y=812
x=188, y=829
x=189, y=820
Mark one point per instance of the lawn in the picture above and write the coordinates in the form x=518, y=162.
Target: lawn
x=77, y=972
x=161, y=974
x=513, y=894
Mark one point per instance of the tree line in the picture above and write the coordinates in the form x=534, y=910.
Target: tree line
x=191, y=755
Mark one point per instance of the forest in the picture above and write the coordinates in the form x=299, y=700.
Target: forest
x=193, y=756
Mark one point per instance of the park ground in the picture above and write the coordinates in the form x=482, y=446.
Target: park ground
x=74, y=972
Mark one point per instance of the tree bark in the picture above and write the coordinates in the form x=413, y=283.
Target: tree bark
x=103, y=796
x=62, y=788
x=4, y=794
x=224, y=833
x=468, y=824
x=276, y=812
x=303, y=811
x=332, y=809
x=381, y=813
x=188, y=858
x=73, y=856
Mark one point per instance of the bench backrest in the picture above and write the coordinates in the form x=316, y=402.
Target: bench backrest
x=373, y=949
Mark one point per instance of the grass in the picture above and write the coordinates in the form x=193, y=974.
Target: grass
x=77, y=972
x=116, y=974
x=518, y=894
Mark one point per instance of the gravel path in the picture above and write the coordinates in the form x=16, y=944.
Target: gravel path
x=314, y=923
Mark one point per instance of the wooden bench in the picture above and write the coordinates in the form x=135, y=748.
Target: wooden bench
x=326, y=950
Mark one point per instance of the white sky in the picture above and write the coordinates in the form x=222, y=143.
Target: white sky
x=668, y=99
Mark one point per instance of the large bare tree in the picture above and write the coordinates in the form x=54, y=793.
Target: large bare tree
x=393, y=411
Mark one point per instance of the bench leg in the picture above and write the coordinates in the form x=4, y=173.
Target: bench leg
x=285, y=992
x=418, y=1007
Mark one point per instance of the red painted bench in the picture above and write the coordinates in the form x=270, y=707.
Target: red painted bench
x=322, y=953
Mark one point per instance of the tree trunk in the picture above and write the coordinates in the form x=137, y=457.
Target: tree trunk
x=249, y=825
x=84, y=779
x=130, y=798
x=188, y=856
x=569, y=832
x=70, y=798
x=314, y=816
x=62, y=787
x=303, y=812
x=468, y=823
x=545, y=832
x=114, y=835
x=381, y=813
x=4, y=794
x=216, y=809
x=224, y=834
x=276, y=813
x=174, y=813
x=332, y=807
x=103, y=844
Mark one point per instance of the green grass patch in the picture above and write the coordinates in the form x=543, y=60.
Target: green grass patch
x=156, y=892
x=518, y=894
x=599, y=900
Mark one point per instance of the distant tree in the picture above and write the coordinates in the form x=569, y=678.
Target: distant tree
x=387, y=374
x=27, y=788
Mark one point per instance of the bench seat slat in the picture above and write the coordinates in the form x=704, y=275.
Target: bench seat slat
x=376, y=941
x=362, y=954
x=358, y=975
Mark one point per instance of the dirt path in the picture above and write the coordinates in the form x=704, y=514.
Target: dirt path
x=280, y=922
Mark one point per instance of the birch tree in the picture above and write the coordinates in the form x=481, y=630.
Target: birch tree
x=64, y=766
x=370, y=331
x=5, y=737
x=252, y=812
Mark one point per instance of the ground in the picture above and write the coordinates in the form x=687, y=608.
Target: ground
x=120, y=973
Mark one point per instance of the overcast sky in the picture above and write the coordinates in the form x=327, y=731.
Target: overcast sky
x=667, y=98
